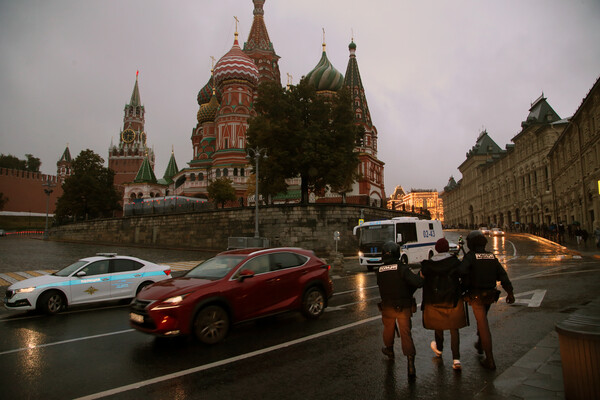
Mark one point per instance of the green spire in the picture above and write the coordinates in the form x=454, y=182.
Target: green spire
x=135, y=96
x=145, y=173
x=171, y=170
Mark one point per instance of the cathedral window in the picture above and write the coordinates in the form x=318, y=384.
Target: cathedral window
x=218, y=173
x=192, y=177
x=225, y=172
x=235, y=172
x=200, y=176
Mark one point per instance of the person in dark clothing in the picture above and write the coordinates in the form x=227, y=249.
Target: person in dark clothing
x=480, y=270
x=443, y=307
x=397, y=285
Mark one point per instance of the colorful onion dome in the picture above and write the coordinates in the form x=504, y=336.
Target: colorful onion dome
x=206, y=92
x=235, y=65
x=324, y=76
x=208, y=111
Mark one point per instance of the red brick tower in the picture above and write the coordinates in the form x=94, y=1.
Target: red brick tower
x=127, y=156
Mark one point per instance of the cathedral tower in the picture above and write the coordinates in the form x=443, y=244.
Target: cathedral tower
x=260, y=48
x=371, y=168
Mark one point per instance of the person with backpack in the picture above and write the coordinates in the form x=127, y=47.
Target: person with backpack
x=442, y=305
x=480, y=270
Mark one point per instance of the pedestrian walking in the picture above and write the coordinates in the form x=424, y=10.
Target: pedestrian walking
x=442, y=305
x=397, y=285
x=578, y=235
x=480, y=270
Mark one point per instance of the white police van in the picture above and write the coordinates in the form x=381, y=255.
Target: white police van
x=416, y=237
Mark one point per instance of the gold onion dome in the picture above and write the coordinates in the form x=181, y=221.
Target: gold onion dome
x=208, y=111
x=235, y=65
x=324, y=76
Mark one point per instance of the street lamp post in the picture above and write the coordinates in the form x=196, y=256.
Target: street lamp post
x=257, y=153
x=48, y=191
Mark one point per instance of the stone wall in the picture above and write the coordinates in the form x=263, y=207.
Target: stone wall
x=308, y=226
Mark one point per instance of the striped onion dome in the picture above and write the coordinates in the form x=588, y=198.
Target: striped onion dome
x=208, y=111
x=235, y=65
x=206, y=92
x=324, y=76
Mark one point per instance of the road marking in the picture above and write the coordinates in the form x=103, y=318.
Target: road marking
x=220, y=363
x=535, y=301
x=32, y=347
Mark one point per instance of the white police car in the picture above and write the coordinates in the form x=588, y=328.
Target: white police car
x=100, y=278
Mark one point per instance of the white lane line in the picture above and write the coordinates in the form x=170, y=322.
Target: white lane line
x=64, y=341
x=220, y=363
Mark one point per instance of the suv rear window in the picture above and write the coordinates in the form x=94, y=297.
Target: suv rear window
x=287, y=260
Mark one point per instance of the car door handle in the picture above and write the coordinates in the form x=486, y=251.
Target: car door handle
x=137, y=275
x=105, y=279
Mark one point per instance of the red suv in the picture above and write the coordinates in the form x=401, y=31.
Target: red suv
x=232, y=287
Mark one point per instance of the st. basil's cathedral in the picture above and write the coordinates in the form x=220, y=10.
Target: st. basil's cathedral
x=219, y=137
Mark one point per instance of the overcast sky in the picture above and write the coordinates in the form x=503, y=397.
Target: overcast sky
x=435, y=72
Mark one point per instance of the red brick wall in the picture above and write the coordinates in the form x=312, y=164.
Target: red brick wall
x=25, y=192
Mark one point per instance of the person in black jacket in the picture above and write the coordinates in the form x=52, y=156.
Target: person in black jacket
x=397, y=284
x=443, y=307
x=481, y=270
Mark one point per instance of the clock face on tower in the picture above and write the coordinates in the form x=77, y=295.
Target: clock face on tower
x=128, y=135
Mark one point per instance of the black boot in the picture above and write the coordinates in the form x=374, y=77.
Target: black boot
x=412, y=372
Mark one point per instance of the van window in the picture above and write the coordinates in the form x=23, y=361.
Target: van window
x=408, y=231
x=430, y=226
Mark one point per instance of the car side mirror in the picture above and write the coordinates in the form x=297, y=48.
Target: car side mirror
x=80, y=274
x=245, y=273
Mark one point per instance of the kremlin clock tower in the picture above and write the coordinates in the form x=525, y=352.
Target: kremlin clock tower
x=127, y=156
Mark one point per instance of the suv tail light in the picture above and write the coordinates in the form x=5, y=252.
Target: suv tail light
x=167, y=272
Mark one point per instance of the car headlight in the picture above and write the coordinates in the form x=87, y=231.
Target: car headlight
x=25, y=290
x=171, y=302
x=361, y=254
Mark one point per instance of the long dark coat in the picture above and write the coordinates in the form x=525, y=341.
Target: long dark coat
x=443, y=307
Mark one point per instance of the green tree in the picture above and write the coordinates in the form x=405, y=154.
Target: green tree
x=12, y=162
x=221, y=191
x=33, y=163
x=306, y=135
x=89, y=192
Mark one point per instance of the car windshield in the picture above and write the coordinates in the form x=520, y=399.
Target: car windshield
x=66, y=271
x=215, y=268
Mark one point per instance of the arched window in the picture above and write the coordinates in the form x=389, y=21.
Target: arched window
x=235, y=172
x=132, y=196
x=218, y=173
x=200, y=176
x=225, y=172
x=241, y=171
x=192, y=177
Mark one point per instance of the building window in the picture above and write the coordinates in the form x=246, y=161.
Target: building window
x=200, y=176
x=218, y=173
x=192, y=177
x=235, y=172
x=225, y=172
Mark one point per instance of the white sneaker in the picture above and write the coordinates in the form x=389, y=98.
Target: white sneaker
x=435, y=350
x=456, y=365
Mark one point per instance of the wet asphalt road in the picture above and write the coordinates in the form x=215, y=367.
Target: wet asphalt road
x=93, y=352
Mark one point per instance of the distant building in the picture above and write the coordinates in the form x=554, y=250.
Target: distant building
x=512, y=188
x=419, y=201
